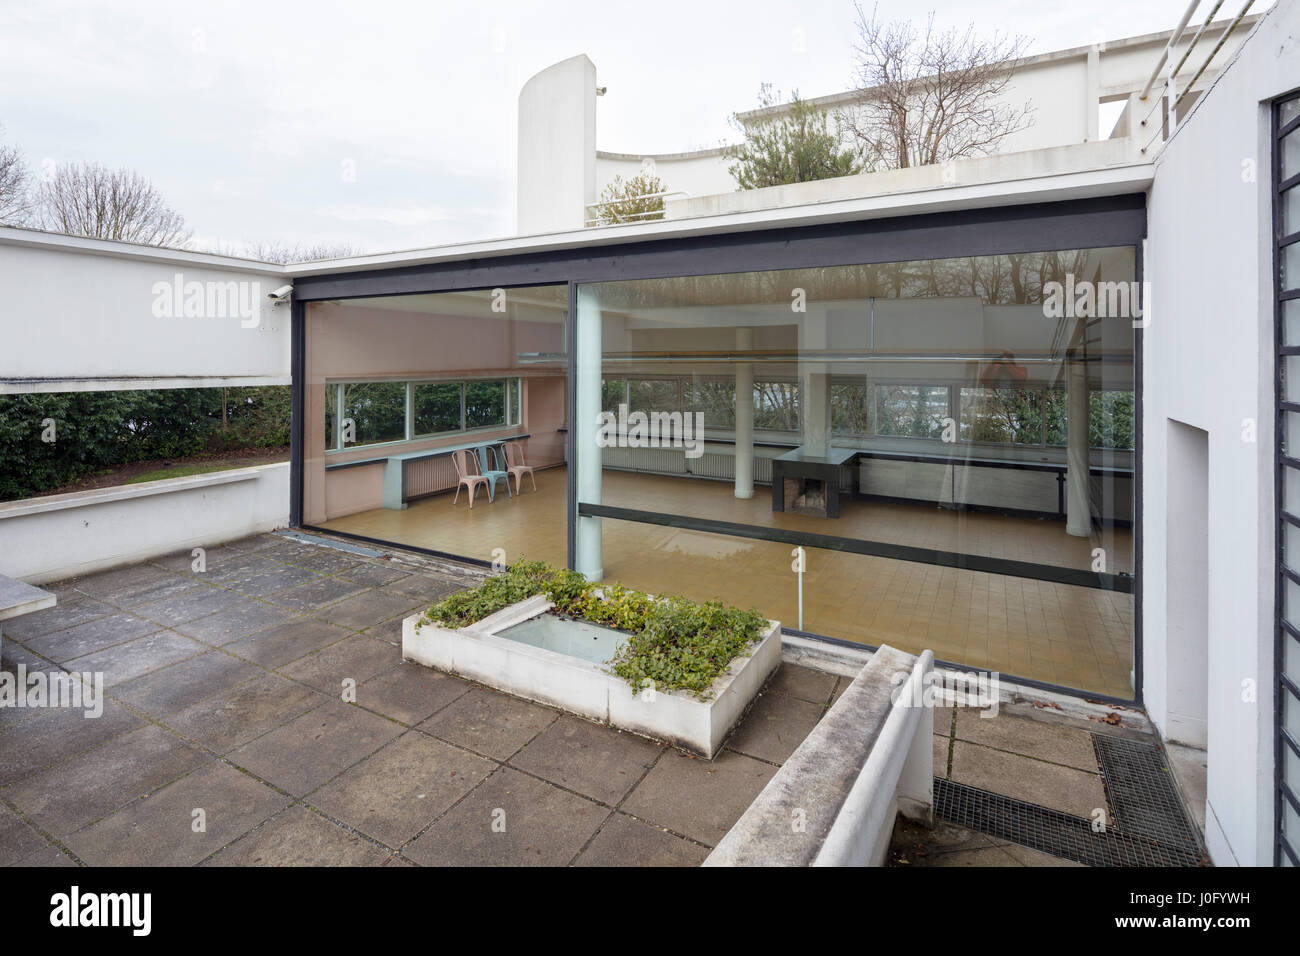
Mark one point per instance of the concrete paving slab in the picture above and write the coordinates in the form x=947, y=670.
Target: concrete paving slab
x=356, y=658
x=324, y=560
x=775, y=725
x=699, y=798
x=802, y=682
x=18, y=839
x=489, y=723
x=410, y=693
x=249, y=710
x=281, y=577
x=70, y=795
x=510, y=819
x=69, y=612
x=402, y=788
x=1034, y=781
x=186, y=683
x=120, y=584
x=299, y=837
x=309, y=750
x=1032, y=738
x=374, y=575
x=32, y=740
x=50, y=856
x=132, y=659
x=368, y=608
x=244, y=619
x=596, y=761
x=92, y=636
x=195, y=602
x=280, y=645
x=160, y=829
x=315, y=595
x=625, y=841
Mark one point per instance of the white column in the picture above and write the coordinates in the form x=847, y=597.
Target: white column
x=1078, y=508
x=587, y=531
x=816, y=411
x=744, y=416
x=815, y=390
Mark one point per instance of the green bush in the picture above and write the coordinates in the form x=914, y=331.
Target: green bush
x=674, y=643
x=95, y=431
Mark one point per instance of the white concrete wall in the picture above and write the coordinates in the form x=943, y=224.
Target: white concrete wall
x=557, y=147
x=51, y=538
x=84, y=314
x=701, y=173
x=1209, y=363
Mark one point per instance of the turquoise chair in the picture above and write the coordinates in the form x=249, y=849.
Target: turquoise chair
x=493, y=474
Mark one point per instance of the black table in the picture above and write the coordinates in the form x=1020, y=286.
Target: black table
x=823, y=468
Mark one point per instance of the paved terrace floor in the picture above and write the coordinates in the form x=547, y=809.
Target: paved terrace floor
x=224, y=696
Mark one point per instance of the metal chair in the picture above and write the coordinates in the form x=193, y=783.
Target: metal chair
x=468, y=479
x=516, y=465
x=493, y=474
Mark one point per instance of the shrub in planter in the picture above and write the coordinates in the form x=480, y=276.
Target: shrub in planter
x=677, y=643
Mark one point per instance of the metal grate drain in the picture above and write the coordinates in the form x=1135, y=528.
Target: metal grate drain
x=1150, y=827
x=1141, y=790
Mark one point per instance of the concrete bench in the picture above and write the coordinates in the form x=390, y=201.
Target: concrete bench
x=833, y=802
x=393, y=480
x=18, y=598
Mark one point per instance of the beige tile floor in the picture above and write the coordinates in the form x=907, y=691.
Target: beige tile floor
x=1071, y=636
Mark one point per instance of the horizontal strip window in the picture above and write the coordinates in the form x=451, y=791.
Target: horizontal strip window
x=1034, y=417
x=370, y=414
x=826, y=542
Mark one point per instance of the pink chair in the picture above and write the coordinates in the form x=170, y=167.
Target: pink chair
x=515, y=464
x=464, y=462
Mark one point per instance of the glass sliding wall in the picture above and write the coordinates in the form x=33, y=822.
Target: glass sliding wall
x=950, y=441
x=400, y=388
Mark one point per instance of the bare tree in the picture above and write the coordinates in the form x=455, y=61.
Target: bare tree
x=15, y=194
x=928, y=96
x=283, y=252
x=86, y=199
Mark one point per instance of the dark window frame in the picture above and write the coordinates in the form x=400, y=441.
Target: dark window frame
x=1118, y=220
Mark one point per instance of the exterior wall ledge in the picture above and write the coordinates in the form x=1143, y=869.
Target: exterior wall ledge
x=99, y=496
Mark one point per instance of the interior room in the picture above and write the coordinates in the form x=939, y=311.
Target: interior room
x=907, y=424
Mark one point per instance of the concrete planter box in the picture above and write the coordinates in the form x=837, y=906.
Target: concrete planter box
x=585, y=688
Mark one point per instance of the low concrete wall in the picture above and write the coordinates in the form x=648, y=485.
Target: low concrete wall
x=589, y=689
x=833, y=802
x=47, y=539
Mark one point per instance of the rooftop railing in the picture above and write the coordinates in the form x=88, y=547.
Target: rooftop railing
x=1172, y=91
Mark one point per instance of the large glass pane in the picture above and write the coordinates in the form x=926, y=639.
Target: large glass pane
x=436, y=407
x=376, y=412
x=962, y=384
x=503, y=358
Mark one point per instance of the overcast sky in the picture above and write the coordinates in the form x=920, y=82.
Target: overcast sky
x=247, y=115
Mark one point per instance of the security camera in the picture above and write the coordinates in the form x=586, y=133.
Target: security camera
x=280, y=294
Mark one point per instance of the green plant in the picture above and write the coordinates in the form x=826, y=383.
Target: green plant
x=638, y=199
x=674, y=643
x=790, y=144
